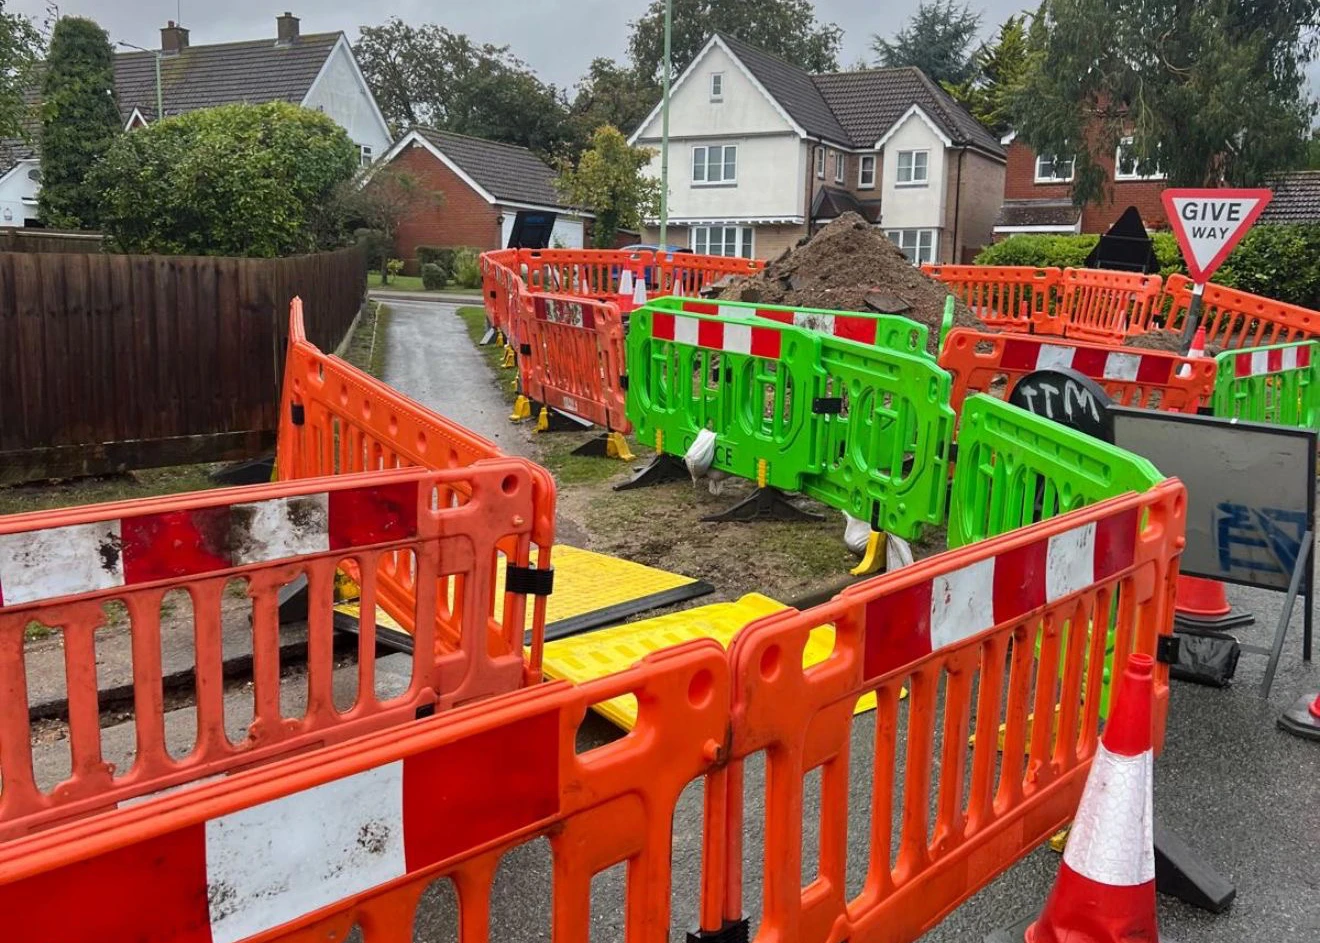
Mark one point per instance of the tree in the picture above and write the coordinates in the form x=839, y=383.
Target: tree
x=998, y=70
x=427, y=75
x=784, y=28
x=381, y=198
x=936, y=40
x=1210, y=93
x=20, y=46
x=240, y=180
x=79, y=121
x=609, y=180
x=612, y=94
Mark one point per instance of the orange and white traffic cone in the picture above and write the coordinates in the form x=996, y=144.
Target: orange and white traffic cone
x=1195, y=352
x=1203, y=604
x=1303, y=718
x=625, y=299
x=639, y=293
x=1105, y=891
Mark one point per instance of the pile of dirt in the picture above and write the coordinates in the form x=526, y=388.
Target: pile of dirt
x=1171, y=341
x=839, y=266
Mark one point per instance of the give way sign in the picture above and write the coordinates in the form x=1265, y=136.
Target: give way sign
x=1209, y=223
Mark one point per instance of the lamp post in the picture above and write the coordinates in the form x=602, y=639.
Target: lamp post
x=664, y=129
x=160, y=98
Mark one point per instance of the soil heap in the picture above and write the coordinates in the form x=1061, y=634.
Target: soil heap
x=838, y=267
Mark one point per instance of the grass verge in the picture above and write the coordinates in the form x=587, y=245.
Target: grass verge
x=414, y=283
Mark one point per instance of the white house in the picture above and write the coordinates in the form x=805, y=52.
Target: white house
x=317, y=71
x=761, y=152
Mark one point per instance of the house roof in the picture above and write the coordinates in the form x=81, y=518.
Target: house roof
x=1042, y=215
x=855, y=109
x=831, y=203
x=505, y=171
x=1296, y=198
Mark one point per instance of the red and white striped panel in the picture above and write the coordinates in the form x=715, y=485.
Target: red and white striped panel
x=561, y=311
x=1098, y=363
x=952, y=607
x=1255, y=363
x=38, y=565
x=713, y=334
x=238, y=875
x=851, y=327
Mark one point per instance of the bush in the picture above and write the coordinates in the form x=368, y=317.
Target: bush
x=433, y=277
x=1039, y=251
x=467, y=268
x=376, y=244
x=439, y=256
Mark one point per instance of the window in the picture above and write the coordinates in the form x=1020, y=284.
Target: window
x=820, y=163
x=715, y=164
x=1128, y=167
x=917, y=244
x=1051, y=169
x=717, y=86
x=722, y=240
x=364, y=155
x=913, y=168
x=866, y=172
x=840, y=164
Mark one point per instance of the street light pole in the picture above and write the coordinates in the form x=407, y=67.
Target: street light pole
x=664, y=129
x=160, y=98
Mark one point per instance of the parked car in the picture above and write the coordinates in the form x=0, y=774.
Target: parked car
x=652, y=281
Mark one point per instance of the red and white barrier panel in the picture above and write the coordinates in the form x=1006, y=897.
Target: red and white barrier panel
x=237, y=875
x=1255, y=363
x=1098, y=363
x=716, y=335
x=560, y=311
x=915, y=622
x=850, y=327
x=44, y=564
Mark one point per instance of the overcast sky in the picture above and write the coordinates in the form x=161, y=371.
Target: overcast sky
x=559, y=38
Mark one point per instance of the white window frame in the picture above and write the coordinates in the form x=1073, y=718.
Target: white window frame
x=744, y=240
x=920, y=254
x=1134, y=176
x=1053, y=161
x=365, y=157
x=704, y=179
x=913, y=180
x=717, y=86
x=861, y=172
x=820, y=162
x=840, y=166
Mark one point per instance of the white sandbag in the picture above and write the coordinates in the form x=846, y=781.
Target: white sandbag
x=700, y=454
x=898, y=554
x=856, y=534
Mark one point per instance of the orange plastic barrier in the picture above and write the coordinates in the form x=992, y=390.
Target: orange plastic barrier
x=573, y=353
x=1009, y=298
x=994, y=363
x=337, y=420
x=351, y=836
x=686, y=274
x=1233, y=318
x=1008, y=629
x=501, y=283
x=1102, y=306
x=81, y=570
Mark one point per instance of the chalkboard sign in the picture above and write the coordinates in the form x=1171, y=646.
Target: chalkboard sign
x=531, y=230
x=1068, y=398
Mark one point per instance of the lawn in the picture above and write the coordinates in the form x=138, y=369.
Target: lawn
x=414, y=283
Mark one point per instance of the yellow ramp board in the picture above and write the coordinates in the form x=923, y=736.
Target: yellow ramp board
x=606, y=651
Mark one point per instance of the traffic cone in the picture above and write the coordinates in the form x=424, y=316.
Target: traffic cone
x=625, y=291
x=1203, y=604
x=1195, y=352
x=639, y=294
x=1105, y=891
x=1303, y=718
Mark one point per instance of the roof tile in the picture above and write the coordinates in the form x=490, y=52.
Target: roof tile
x=505, y=171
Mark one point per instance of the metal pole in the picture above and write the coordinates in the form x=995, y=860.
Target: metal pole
x=664, y=128
x=160, y=98
x=1193, y=317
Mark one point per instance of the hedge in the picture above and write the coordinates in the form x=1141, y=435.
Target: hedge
x=1277, y=261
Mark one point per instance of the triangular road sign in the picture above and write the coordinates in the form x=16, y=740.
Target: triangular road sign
x=1209, y=223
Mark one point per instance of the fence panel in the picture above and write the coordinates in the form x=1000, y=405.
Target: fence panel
x=113, y=362
x=1103, y=306
x=994, y=363
x=1279, y=385
x=1008, y=298
x=575, y=359
x=1233, y=318
x=960, y=633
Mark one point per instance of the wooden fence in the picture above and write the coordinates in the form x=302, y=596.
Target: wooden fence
x=13, y=239
x=115, y=362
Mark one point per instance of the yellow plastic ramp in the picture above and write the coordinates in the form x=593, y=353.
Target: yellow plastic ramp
x=606, y=651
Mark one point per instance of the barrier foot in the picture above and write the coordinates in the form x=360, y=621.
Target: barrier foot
x=291, y=601
x=733, y=931
x=766, y=504
x=257, y=471
x=663, y=468
x=552, y=420
x=606, y=445
x=488, y=336
x=508, y=360
x=522, y=409
x=1183, y=874
x=1303, y=718
x=874, y=559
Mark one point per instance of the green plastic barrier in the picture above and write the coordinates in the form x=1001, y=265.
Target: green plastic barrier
x=1015, y=468
x=1278, y=385
x=889, y=331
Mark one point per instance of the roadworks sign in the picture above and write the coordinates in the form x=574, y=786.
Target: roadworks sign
x=1209, y=223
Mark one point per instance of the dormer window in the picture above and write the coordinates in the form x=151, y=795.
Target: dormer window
x=717, y=86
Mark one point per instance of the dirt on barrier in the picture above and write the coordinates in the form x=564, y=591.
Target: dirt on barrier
x=843, y=263
x=1170, y=341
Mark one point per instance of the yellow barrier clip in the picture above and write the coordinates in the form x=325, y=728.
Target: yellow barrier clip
x=874, y=559
x=522, y=409
x=616, y=446
x=543, y=420
x=762, y=472
x=1059, y=840
x=508, y=360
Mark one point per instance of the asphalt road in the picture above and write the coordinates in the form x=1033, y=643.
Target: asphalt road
x=1238, y=790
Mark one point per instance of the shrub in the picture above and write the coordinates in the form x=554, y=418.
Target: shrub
x=1040, y=251
x=376, y=244
x=467, y=268
x=433, y=277
x=440, y=257
x=394, y=267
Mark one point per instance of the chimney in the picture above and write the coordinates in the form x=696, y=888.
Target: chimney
x=286, y=29
x=173, y=39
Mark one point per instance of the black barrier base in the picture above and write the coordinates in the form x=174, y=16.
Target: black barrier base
x=733, y=931
x=257, y=471
x=663, y=468
x=1208, y=658
x=766, y=504
x=292, y=601
x=1299, y=721
x=487, y=337
x=552, y=420
x=1182, y=874
x=1234, y=620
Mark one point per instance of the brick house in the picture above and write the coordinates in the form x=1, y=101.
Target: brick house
x=1038, y=194
x=486, y=185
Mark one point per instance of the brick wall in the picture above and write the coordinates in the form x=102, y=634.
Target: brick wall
x=462, y=218
x=982, y=182
x=1020, y=184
